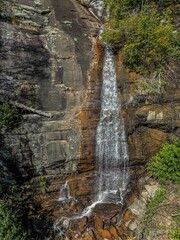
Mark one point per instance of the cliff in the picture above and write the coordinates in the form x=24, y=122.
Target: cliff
x=51, y=65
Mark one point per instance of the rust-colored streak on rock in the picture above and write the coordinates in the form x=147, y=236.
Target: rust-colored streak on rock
x=98, y=236
x=98, y=222
x=82, y=224
x=127, y=215
x=114, y=232
x=89, y=114
x=131, y=198
x=105, y=234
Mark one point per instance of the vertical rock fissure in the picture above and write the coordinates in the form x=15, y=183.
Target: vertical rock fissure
x=111, y=144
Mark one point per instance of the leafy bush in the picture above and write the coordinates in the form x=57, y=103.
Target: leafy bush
x=145, y=33
x=165, y=165
x=118, y=9
x=174, y=232
x=175, y=53
x=148, y=40
x=7, y=113
x=10, y=229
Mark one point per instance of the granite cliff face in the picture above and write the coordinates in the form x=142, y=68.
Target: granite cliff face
x=51, y=62
x=45, y=60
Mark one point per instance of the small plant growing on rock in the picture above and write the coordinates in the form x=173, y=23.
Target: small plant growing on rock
x=165, y=165
x=174, y=232
x=151, y=209
x=10, y=229
x=15, y=21
x=43, y=184
x=7, y=113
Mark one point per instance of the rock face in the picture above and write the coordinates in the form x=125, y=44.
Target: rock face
x=52, y=62
x=45, y=60
x=151, y=118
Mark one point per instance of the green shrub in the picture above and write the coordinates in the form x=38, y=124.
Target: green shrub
x=7, y=113
x=145, y=33
x=111, y=36
x=148, y=40
x=10, y=229
x=165, y=165
x=118, y=9
x=175, y=53
x=174, y=233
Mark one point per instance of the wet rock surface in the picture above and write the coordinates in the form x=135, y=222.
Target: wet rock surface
x=45, y=59
x=51, y=61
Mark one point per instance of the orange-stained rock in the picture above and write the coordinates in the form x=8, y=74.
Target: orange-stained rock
x=131, y=198
x=105, y=233
x=89, y=115
x=120, y=232
x=82, y=224
x=133, y=76
x=97, y=234
x=145, y=142
x=114, y=232
x=89, y=236
x=90, y=112
x=98, y=222
x=123, y=227
x=127, y=215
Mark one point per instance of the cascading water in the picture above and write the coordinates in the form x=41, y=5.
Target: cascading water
x=98, y=5
x=111, y=145
x=64, y=192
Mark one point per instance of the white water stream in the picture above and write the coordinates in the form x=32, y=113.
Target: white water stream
x=98, y=5
x=111, y=145
x=64, y=192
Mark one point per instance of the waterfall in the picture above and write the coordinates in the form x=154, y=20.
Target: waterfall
x=98, y=5
x=64, y=192
x=111, y=145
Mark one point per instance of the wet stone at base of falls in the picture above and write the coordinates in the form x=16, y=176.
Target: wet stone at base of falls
x=106, y=210
x=104, y=221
